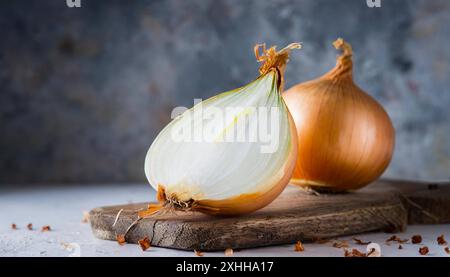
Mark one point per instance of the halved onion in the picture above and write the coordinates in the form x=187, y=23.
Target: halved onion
x=214, y=160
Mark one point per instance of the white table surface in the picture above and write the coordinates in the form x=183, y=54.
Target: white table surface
x=62, y=208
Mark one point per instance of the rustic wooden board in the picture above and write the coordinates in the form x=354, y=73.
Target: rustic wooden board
x=427, y=203
x=295, y=215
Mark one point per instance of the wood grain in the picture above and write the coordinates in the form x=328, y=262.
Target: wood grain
x=295, y=215
x=426, y=202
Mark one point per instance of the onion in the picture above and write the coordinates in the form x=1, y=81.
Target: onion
x=197, y=163
x=345, y=138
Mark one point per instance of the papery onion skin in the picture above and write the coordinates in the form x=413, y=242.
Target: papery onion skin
x=346, y=138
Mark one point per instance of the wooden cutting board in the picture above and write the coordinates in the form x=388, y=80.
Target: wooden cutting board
x=295, y=215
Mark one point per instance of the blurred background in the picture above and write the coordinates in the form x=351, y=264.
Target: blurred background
x=84, y=91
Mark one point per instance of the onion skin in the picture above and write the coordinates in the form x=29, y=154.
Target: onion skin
x=346, y=138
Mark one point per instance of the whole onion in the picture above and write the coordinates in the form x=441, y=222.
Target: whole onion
x=345, y=137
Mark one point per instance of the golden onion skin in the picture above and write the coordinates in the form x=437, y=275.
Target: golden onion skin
x=345, y=137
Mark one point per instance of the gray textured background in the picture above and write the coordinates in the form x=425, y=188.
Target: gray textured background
x=84, y=91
